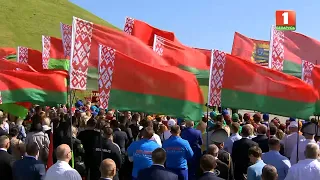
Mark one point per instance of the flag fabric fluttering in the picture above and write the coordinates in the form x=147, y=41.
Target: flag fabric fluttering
x=53, y=56
x=66, y=33
x=31, y=57
x=12, y=65
x=288, y=49
x=152, y=89
x=146, y=32
x=250, y=49
x=7, y=53
x=186, y=58
x=254, y=87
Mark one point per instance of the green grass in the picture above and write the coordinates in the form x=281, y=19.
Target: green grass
x=23, y=22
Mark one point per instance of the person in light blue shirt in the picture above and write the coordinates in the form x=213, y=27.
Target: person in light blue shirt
x=140, y=152
x=255, y=170
x=228, y=144
x=178, y=152
x=274, y=158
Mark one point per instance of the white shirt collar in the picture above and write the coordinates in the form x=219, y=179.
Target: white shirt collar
x=3, y=149
x=158, y=165
x=26, y=155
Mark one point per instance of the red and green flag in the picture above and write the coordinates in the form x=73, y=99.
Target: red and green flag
x=250, y=49
x=151, y=89
x=146, y=32
x=289, y=48
x=53, y=55
x=254, y=87
x=186, y=58
x=7, y=53
x=44, y=88
x=12, y=65
x=30, y=56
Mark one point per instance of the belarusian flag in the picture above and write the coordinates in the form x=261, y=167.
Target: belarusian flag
x=186, y=58
x=12, y=65
x=53, y=56
x=311, y=75
x=241, y=84
x=289, y=49
x=30, y=56
x=250, y=49
x=87, y=38
x=47, y=88
x=146, y=32
x=7, y=53
x=66, y=33
x=152, y=89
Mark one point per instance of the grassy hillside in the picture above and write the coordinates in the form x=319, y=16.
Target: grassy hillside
x=24, y=21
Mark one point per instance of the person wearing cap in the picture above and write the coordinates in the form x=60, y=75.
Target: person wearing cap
x=178, y=152
x=297, y=156
x=234, y=128
x=290, y=140
x=265, y=118
x=218, y=138
x=165, y=135
x=194, y=137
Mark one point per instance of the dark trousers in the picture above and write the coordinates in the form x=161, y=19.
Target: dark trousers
x=182, y=173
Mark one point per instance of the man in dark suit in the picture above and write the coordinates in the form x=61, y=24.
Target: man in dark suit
x=157, y=170
x=207, y=164
x=29, y=168
x=6, y=160
x=262, y=138
x=240, y=153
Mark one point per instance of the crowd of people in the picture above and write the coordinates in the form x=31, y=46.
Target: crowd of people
x=97, y=144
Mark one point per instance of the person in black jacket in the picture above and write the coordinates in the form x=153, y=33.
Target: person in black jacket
x=157, y=171
x=207, y=164
x=239, y=153
x=29, y=168
x=119, y=137
x=6, y=160
x=105, y=148
x=262, y=138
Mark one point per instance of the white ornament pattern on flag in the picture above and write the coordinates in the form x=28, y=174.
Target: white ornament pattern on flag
x=158, y=45
x=81, y=54
x=45, y=51
x=0, y=98
x=106, y=67
x=217, y=73
x=277, y=53
x=307, y=72
x=128, y=26
x=66, y=34
x=23, y=55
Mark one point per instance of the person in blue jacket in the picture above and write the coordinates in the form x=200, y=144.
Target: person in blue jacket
x=178, y=152
x=194, y=137
x=140, y=152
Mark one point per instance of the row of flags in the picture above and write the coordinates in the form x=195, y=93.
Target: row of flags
x=144, y=68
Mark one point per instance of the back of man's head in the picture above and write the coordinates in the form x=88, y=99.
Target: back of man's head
x=4, y=141
x=207, y=162
x=92, y=123
x=159, y=156
x=213, y=150
x=246, y=130
x=255, y=151
x=262, y=129
x=108, y=132
x=108, y=168
x=114, y=124
x=63, y=153
x=175, y=130
x=189, y=123
x=312, y=151
x=148, y=132
x=269, y=172
x=235, y=127
x=273, y=129
x=32, y=149
x=274, y=144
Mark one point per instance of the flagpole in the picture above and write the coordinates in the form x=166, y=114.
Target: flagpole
x=207, y=128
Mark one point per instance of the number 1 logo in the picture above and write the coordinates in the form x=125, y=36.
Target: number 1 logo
x=286, y=20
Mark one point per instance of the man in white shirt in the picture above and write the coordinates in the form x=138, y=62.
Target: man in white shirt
x=308, y=168
x=167, y=133
x=61, y=170
x=234, y=137
x=290, y=141
x=309, y=138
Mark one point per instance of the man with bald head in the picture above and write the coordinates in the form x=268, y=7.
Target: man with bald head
x=61, y=170
x=262, y=138
x=308, y=168
x=108, y=169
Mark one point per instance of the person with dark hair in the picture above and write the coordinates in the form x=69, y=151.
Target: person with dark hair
x=29, y=168
x=208, y=165
x=2, y=131
x=269, y=172
x=140, y=151
x=157, y=171
x=134, y=125
x=262, y=138
x=6, y=159
x=239, y=150
x=273, y=157
x=178, y=152
x=255, y=170
x=105, y=148
x=123, y=125
x=88, y=137
x=273, y=131
x=119, y=137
